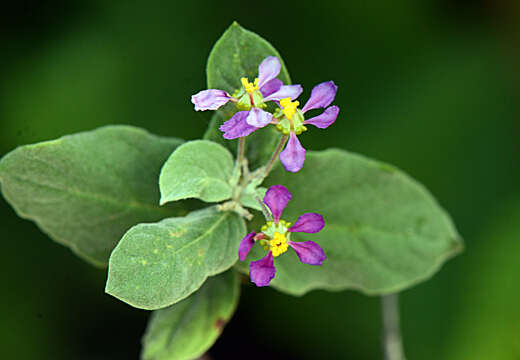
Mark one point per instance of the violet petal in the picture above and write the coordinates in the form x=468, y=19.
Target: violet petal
x=293, y=156
x=245, y=245
x=276, y=198
x=321, y=96
x=308, y=223
x=211, y=99
x=262, y=271
x=268, y=70
x=237, y=126
x=286, y=91
x=271, y=87
x=309, y=252
x=325, y=119
x=259, y=118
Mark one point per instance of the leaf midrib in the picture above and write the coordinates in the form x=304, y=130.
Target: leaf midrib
x=98, y=197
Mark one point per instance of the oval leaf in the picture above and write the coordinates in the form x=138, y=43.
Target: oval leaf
x=86, y=190
x=197, y=169
x=157, y=265
x=383, y=231
x=237, y=54
x=187, y=329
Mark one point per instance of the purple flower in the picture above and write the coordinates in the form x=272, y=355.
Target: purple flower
x=276, y=238
x=291, y=121
x=250, y=98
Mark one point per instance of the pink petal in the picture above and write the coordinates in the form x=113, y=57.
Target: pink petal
x=321, y=96
x=308, y=223
x=326, y=118
x=262, y=271
x=268, y=70
x=293, y=156
x=309, y=252
x=245, y=245
x=210, y=99
x=291, y=91
x=237, y=126
x=276, y=198
x=259, y=118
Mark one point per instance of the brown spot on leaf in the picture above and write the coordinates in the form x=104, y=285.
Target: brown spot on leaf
x=220, y=323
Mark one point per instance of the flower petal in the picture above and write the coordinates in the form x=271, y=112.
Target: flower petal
x=268, y=70
x=276, y=198
x=309, y=252
x=259, y=118
x=245, y=245
x=291, y=91
x=210, y=99
x=293, y=156
x=308, y=223
x=326, y=118
x=237, y=126
x=321, y=96
x=262, y=271
x=270, y=87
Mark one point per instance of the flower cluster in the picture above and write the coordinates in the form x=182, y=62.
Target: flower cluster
x=251, y=101
x=275, y=237
x=252, y=114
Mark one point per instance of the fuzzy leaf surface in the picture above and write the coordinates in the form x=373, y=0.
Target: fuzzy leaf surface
x=187, y=329
x=86, y=190
x=156, y=265
x=197, y=169
x=384, y=232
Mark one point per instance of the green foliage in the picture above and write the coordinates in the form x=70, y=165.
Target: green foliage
x=187, y=329
x=487, y=322
x=200, y=169
x=85, y=190
x=383, y=231
x=250, y=197
x=235, y=55
x=157, y=265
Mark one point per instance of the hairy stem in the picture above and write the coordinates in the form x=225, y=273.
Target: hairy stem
x=241, y=150
x=238, y=171
x=265, y=211
x=277, y=152
x=392, y=341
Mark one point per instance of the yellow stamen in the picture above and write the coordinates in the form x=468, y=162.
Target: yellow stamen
x=289, y=107
x=250, y=87
x=278, y=244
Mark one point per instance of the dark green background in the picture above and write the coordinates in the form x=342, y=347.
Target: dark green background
x=430, y=86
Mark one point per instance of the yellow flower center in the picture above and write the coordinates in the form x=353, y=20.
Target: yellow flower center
x=278, y=244
x=250, y=87
x=289, y=107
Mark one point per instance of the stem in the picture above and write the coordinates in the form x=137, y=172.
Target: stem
x=392, y=341
x=241, y=150
x=266, y=212
x=237, y=172
x=277, y=152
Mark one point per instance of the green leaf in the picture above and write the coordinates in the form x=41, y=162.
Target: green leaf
x=157, y=265
x=86, y=190
x=249, y=197
x=383, y=231
x=187, y=329
x=197, y=169
x=235, y=55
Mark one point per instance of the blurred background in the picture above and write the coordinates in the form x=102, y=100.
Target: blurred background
x=430, y=86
